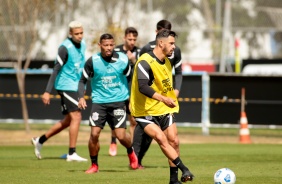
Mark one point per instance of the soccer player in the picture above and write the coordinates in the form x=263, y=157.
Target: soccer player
x=132, y=51
x=65, y=76
x=109, y=71
x=153, y=101
x=141, y=141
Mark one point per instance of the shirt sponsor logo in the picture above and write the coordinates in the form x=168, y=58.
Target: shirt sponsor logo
x=167, y=86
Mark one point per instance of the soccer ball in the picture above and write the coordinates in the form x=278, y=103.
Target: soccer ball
x=224, y=176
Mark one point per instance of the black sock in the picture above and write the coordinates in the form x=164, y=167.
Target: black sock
x=114, y=140
x=71, y=151
x=139, y=161
x=173, y=174
x=180, y=165
x=129, y=150
x=94, y=159
x=42, y=139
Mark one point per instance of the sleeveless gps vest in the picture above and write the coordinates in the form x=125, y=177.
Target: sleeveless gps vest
x=109, y=84
x=70, y=73
x=142, y=105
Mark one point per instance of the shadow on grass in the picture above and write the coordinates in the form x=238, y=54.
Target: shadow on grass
x=52, y=158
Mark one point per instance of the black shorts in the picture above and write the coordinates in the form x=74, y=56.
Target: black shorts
x=113, y=113
x=163, y=121
x=69, y=101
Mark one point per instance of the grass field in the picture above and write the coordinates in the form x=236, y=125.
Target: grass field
x=252, y=163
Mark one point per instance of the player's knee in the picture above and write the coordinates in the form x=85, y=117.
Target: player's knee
x=76, y=115
x=174, y=142
x=94, y=137
x=121, y=136
x=160, y=139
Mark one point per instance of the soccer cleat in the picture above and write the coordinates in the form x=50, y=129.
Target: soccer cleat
x=133, y=160
x=187, y=176
x=37, y=147
x=93, y=169
x=75, y=157
x=175, y=182
x=113, y=149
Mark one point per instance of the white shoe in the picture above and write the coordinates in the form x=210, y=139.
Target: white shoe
x=75, y=157
x=37, y=146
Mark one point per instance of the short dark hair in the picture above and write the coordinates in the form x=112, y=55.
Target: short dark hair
x=165, y=33
x=106, y=36
x=131, y=30
x=163, y=24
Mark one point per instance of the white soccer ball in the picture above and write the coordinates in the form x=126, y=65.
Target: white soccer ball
x=224, y=176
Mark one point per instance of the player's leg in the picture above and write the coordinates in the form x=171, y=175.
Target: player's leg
x=73, y=134
x=123, y=137
x=74, y=127
x=97, y=121
x=55, y=129
x=70, y=107
x=171, y=134
x=125, y=140
x=113, y=144
x=117, y=120
x=94, y=148
x=158, y=135
x=58, y=127
x=141, y=143
x=94, y=144
x=132, y=125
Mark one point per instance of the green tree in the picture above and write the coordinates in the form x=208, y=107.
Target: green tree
x=23, y=19
x=176, y=12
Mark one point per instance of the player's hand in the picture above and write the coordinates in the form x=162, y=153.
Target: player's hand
x=82, y=104
x=166, y=100
x=46, y=98
x=131, y=57
x=169, y=102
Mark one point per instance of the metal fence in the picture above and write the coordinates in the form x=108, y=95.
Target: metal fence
x=207, y=29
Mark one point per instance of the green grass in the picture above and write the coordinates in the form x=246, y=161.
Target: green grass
x=181, y=130
x=252, y=164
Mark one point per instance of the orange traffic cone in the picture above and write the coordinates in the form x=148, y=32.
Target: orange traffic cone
x=244, y=130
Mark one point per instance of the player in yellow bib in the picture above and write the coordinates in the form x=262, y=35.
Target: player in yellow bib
x=162, y=84
x=153, y=102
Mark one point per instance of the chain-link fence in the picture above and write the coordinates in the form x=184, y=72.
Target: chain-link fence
x=206, y=28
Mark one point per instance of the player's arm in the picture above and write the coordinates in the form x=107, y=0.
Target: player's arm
x=145, y=80
x=61, y=59
x=87, y=73
x=178, y=71
x=127, y=72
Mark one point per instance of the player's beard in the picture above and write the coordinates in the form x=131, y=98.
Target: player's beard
x=168, y=53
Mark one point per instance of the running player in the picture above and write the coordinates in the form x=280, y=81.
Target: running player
x=108, y=71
